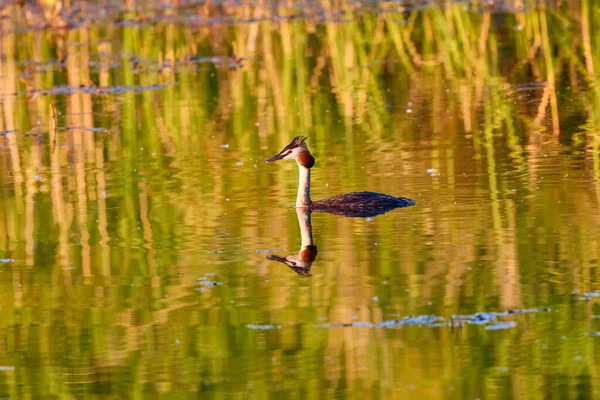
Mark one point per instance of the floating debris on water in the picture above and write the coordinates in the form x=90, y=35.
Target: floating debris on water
x=201, y=60
x=267, y=251
x=526, y=310
x=263, y=327
x=231, y=62
x=83, y=128
x=432, y=321
x=6, y=260
x=91, y=89
x=204, y=281
x=419, y=320
x=209, y=283
x=586, y=296
x=501, y=325
x=532, y=85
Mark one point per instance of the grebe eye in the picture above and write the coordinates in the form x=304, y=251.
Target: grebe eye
x=289, y=152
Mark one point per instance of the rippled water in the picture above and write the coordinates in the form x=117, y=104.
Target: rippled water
x=136, y=214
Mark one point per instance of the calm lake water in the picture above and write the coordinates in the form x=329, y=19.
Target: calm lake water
x=136, y=214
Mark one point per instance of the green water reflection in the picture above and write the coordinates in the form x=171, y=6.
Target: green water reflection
x=136, y=214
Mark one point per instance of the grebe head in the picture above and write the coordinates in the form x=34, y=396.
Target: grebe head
x=296, y=150
x=300, y=263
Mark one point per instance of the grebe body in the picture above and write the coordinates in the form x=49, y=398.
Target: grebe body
x=354, y=204
x=360, y=204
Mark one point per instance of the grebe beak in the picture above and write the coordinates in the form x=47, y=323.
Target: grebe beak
x=277, y=157
x=285, y=260
x=273, y=257
x=299, y=267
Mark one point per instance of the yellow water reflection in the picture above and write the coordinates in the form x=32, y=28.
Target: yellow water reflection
x=136, y=214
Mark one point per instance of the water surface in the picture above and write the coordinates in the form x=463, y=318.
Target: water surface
x=136, y=214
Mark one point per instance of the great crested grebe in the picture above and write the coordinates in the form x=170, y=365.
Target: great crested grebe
x=354, y=204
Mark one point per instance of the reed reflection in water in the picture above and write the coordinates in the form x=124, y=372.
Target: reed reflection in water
x=135, y=219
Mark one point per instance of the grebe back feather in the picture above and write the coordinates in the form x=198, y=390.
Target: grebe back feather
x=360, y=204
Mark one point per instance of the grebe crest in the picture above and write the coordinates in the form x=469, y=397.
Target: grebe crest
x=355, y=204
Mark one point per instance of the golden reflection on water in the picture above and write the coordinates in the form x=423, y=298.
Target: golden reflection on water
x=138, y=215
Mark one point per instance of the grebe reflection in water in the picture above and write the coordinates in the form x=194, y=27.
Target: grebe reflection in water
x=301, y=262
x=355, y=204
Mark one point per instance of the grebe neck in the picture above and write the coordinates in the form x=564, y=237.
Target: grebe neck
x=303, y=199
x=305, y=226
